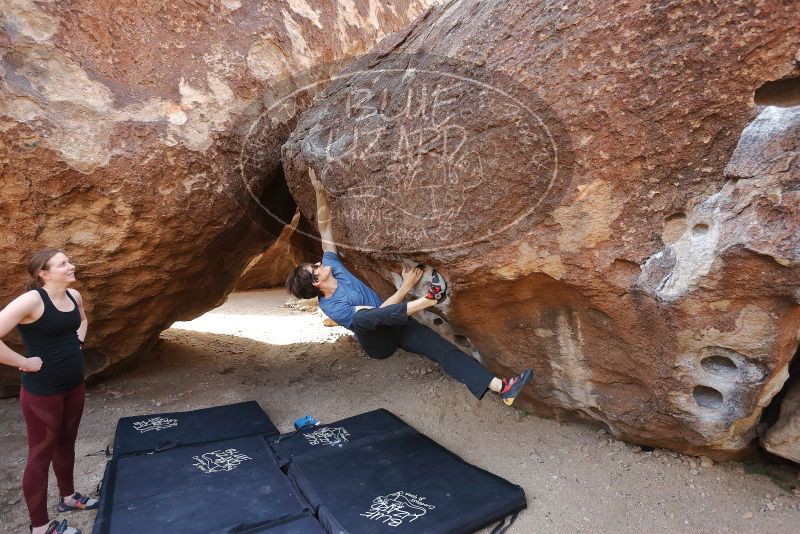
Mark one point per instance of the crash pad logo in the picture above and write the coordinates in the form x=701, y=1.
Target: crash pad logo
x=155, y=423
x=397, y=508
x=328, y=436
x=216, y=461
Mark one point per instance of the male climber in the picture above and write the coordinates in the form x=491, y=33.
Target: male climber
x=383, y=326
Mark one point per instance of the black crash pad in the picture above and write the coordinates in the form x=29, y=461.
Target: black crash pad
x=306, y=524
x=347, y=433
x=221, y=487
x=400, y=483
x=146, y=433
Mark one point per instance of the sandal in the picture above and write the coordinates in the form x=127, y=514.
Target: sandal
x=83, y=503
x=59, y=528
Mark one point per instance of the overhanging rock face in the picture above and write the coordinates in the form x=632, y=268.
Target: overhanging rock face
x=610, y=205
x=143, y=138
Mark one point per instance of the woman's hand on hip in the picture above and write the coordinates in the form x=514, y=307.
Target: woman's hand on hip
x=31, y=365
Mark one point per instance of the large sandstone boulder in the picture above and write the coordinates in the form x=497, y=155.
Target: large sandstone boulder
x=564, y=165
x=143, y=137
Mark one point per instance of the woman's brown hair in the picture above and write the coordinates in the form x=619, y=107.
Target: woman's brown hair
x=38, y=262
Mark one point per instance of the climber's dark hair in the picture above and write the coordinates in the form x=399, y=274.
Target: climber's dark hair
x=301, y=283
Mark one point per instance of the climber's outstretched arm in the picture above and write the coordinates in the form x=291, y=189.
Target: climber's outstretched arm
x=323, y=214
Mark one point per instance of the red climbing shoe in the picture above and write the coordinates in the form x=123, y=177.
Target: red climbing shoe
x=438, y=288
x=512, y=386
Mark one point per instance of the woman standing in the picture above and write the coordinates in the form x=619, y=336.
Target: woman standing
x=52, y=323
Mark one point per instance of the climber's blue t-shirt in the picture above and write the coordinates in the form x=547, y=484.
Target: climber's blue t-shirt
x=349, y=293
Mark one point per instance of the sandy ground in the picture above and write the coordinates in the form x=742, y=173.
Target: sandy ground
x=577, y=478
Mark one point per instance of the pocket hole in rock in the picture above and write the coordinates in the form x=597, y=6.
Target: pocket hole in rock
x=707, y=397
x=462, y=340
x=700, y=229
x=720, y=365
x=781, y=93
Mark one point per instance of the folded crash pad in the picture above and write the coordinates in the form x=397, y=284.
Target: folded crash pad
x=306, y=524
x=392, y=480
x=356, y=431
x=146, y=433
x=224, y=487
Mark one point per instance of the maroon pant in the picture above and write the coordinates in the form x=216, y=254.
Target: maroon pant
x=52, y=422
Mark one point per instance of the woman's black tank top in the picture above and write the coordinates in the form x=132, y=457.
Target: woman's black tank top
x=53, y=337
